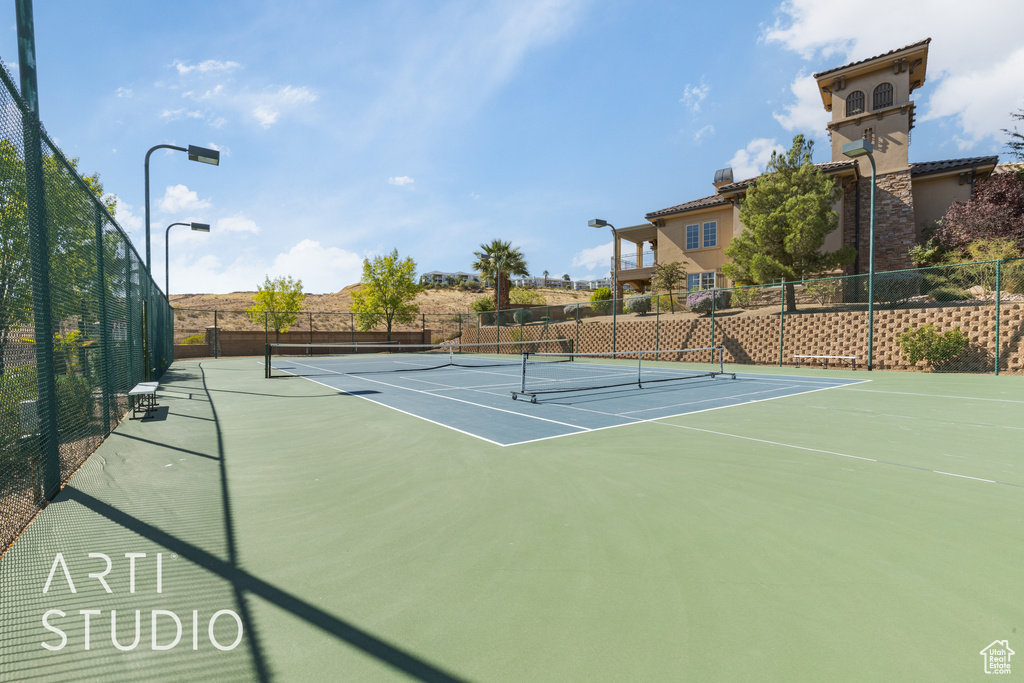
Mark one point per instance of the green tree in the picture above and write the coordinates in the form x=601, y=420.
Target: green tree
x=388, y=288
x=71, y=232
x=669, y=277
x=277, y=302
x=787, y=213
x=501, y=256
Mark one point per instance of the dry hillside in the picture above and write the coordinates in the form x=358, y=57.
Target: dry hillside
x=430, y=301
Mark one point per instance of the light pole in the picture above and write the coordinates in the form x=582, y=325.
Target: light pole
x=201, y=154
x=859, y=148
x=198, y=227
x=598, y=223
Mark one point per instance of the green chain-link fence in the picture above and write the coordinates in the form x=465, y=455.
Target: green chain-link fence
x=81, y=321
x=960, y=318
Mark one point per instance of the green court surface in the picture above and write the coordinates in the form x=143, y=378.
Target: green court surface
x=866, y=532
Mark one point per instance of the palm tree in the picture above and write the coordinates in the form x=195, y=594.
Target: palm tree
x=500, y=256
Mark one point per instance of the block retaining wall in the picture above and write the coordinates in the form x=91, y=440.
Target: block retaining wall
x=754, y=340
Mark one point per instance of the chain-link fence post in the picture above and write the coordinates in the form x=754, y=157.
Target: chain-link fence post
x=782, y=319
x=105, y=346
x=999, y=295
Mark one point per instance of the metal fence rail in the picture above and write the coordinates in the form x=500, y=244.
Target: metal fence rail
x=81, y=320
x=959, y=318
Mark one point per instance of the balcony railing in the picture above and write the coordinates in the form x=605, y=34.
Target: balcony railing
x=632, y=263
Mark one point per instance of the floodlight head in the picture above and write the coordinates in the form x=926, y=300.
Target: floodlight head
x=598, y=223
x=857, y=148
x=207, y=156
x=200, y=227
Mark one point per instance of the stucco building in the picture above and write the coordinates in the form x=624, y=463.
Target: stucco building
x=869, y=99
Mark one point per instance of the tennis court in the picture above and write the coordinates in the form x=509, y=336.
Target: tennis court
x=790, y=525
x=474, y=392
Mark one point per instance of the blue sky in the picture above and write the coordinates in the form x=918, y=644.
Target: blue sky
x=349, y=129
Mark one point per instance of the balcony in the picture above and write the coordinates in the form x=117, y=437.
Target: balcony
x=635, y=262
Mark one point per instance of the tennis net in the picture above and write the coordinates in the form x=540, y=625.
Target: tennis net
x=309, y=360
x=590, y=371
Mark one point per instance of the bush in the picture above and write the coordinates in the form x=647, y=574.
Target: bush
x=522, y=295
x=744, y=297
x=950, y=293
x=194, y=340
x=638, y=304
x=702, y=302
x=601, y=300
x=924, y=343
x=570, y=310
x=522, y=315
x=823, y=291
x=893, y=289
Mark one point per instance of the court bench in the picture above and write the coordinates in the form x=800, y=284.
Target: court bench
x=143, y=397
x=825, y=359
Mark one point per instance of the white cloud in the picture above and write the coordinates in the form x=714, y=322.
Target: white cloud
x=401, y=180
x=704, y=132
x=207, y=66
x=980, y=100
x=178, y=114
x=599, y=257
x=693, y=95
x=126, y=217
x=269, y=106
x=977, y=88
x=180, y=199
x=322, y=269
x=123, y=92
x=751, y=160
x=807, y=114
x=237, y=223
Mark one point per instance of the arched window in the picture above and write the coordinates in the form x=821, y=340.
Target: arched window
x=883, y=96
x=855, y=103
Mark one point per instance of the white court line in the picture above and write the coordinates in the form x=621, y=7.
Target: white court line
x=842, y=455
x=959, y=398
x=668, y=417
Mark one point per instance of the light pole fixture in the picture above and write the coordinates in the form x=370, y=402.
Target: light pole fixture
x=201, y=154
x=598, y=223
x=853, y=150
x=198, y=227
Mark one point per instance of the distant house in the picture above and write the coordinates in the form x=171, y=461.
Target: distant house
x=437, y=277
x=870, y=100
x=559, y=283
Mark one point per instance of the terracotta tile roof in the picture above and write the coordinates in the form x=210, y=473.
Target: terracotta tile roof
x=928, y=167
x=827, y=167
x=718, y=199
x=713, y=200
x=884, y=54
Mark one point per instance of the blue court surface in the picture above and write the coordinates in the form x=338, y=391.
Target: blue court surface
x=478, y=400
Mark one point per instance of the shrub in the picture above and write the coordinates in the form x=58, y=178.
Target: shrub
x=924, y=343
x=522, y=315
x=638, y=304
x=570, y=310
x=823, y=291
x=702, y=302
x=194, y=340
x=522, y=295
x=949, y=293
x=744, y=297
x=893, y=289
x=601, y=300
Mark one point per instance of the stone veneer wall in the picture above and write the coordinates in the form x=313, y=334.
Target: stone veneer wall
x=754, y=340
x=895, y=230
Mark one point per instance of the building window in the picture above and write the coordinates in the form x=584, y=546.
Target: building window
x=711, y=234
x=692, y=236
x=700, y=281
x=855, y=103
x=883, y=96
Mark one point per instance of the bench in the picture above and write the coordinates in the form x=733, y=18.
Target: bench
x=143, y=397
x=825, y=359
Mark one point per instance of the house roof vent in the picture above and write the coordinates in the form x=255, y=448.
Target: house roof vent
x=723, y=175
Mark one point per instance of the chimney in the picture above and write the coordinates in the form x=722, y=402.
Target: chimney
x=723, y=177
